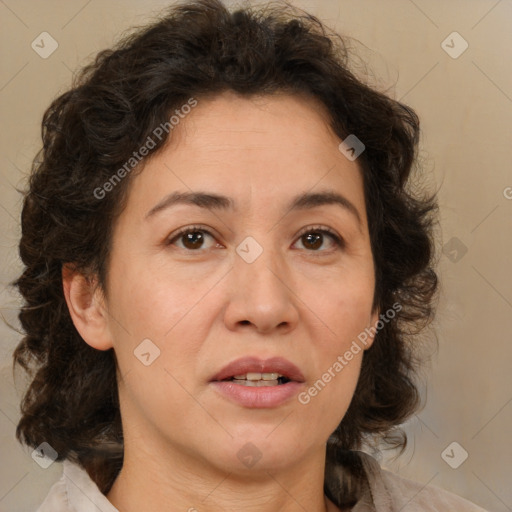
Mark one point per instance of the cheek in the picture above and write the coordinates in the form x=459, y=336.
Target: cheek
x=164, y=317
x=344, y=307
x=156, y=396
x=147, y=302
x=352, y=313
x=345, y=312
x=327, y=399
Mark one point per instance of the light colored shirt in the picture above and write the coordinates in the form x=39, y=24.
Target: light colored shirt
x=384, y=491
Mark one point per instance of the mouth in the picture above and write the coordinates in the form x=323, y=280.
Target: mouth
x=256, y=379
x=255, y=372
x=254, y=383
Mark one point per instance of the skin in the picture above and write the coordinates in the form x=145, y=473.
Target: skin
x=300, y=299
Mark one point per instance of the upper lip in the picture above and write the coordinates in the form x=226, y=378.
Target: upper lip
x=245, y=365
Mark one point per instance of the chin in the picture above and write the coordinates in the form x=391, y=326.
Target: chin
x=263, y=449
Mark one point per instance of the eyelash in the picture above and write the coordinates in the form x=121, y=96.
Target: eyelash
x=339, y=242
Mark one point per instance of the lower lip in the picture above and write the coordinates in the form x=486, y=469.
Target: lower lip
x=258, y=397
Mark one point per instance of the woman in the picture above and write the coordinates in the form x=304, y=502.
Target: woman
x=225, y=270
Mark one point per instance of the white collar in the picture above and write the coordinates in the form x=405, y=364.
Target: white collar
x=82, y=491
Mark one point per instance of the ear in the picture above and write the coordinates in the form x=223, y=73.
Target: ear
x=374, y=318
x=87, y=307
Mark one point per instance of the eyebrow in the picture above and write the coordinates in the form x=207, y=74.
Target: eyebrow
x=304, y=201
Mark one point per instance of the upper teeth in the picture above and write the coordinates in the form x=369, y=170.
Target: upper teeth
x=258, y=376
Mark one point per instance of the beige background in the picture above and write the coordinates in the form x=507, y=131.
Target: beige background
x=465, y=105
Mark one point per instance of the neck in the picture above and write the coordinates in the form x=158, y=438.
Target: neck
x=148, y=481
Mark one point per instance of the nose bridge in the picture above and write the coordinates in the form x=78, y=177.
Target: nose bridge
x=264, y=295
x=260, y=263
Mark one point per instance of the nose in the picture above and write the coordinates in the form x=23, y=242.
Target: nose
x=262, y=295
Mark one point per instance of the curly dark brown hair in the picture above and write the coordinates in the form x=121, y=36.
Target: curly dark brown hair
x=195, y=49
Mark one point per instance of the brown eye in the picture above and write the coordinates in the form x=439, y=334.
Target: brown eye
x=192, y=238
x=313, y=239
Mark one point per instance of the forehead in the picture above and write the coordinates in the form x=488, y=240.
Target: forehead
x=271, y=120
x=254, y=149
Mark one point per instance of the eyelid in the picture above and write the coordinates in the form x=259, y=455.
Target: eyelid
x=320, y=228
x=338, y=239
x=182, y=231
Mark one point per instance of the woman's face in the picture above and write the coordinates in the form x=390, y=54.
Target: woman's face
x=248, y=281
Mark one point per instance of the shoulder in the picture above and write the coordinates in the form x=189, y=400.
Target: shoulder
x=399, y=493
x=56, y=500
x=75, y=491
